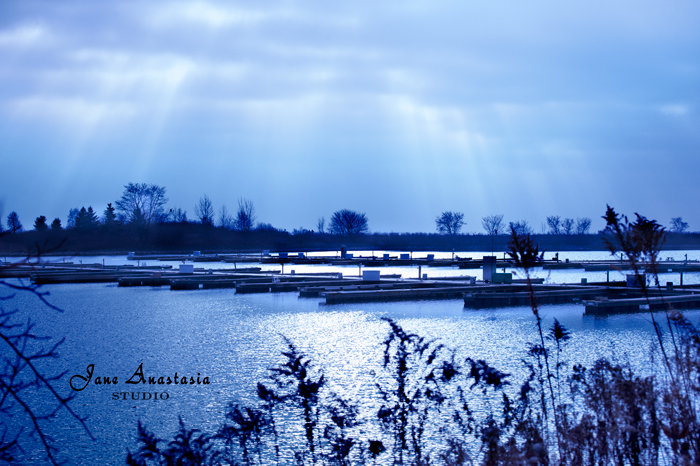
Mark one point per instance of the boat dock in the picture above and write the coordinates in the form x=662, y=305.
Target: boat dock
x=371, y=286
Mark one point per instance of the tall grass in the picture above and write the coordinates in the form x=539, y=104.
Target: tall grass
x=561, y=413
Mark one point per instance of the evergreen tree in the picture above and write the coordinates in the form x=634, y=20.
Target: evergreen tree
x=86, y=219
x=40, y=223
x=56, y=224
x=13, y=223
x=110, y=217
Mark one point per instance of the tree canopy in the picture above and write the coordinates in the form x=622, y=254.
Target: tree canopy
x=347, y=222
x=245, y=217
x=149, y=199
x=449, y=223
x=13, y=223
x=40, y=223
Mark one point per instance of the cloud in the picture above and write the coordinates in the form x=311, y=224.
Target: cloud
x=206, y=14
x=471, y=94
x=23, y=36
x=677, y=110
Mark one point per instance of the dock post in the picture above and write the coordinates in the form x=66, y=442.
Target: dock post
x=607, y=276
x=419, y=275
x=681, y=278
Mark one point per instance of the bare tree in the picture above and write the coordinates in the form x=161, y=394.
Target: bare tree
x=204, y=210
x=245, y=217
x=72, y=215
x=177, y=215
x=678, y=225
x=520, y=227
x=148, y=199
x=554, y=224
x=449, y=223
x=13, y=223
x=583, y=225
x=321, y=225
x=493, y=224
x=347, y=222
x=567, y=226
x=29, y=394
x=225, y=219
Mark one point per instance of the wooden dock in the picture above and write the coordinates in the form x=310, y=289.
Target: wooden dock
x=404, y=294
x=598, y=298
x=542, y=294
x=606, y=306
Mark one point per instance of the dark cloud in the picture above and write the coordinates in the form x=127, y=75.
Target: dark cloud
x=401, y=110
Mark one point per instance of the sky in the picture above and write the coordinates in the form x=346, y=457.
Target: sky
x=400, y=110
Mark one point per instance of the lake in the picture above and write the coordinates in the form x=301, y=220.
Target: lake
x=233, y=339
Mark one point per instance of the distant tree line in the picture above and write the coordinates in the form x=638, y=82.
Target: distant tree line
x=450, y=223
x=139, y=219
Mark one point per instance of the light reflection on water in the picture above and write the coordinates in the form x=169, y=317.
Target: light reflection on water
x=233, y=339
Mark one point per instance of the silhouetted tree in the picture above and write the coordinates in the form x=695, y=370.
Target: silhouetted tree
x=567, y=226
x=13, y=223
x=225, y=219
x=40, y=223
x=521, y=227
x=204, y=210
x=110, y=217
x=245, y=217
x=72, y=215
x=266, y=227
x=678, y=225
x=449, y=223
x=347, y=222
x=493, y=224
x=177, y=215
x=321, y=225
x=583, y=225
x=86, y=219
x=56, y=224
x=30, y=395
x=148, y=199
x=554, y=224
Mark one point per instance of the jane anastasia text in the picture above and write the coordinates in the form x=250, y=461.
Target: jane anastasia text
x=79, y=382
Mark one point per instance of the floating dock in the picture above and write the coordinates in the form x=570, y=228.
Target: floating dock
x=333, y=288
x=604, y=306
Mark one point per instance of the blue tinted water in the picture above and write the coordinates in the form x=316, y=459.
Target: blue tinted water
x=233, y=339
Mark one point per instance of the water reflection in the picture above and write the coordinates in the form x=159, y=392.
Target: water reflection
x=233, y=339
